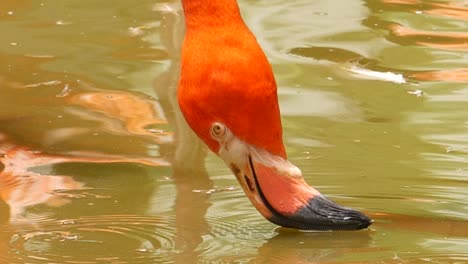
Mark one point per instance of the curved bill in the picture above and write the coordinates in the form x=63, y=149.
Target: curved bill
x=302, y=207
x=278, y=191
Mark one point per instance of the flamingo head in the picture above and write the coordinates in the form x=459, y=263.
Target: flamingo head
x=249, y=140
x=227, y=94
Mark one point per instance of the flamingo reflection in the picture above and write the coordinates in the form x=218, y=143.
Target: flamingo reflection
x=433, y=39
x=21, y=188
x=455, y=75
x=188, y=157
x=448, y=9
x=439, y=40
x=130, y=114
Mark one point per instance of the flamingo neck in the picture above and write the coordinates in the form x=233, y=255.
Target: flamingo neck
x=205, y=13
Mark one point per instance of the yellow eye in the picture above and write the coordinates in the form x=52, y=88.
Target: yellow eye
x=218, y=130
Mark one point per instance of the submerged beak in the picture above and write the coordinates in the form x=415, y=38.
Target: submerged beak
x=278, y=190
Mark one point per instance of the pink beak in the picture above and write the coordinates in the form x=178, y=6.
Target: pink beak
x=278, y=190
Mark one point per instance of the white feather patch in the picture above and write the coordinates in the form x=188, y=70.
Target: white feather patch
x=235, y=151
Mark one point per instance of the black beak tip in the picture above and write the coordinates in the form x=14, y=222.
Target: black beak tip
x=325, y=215
x=363, y=222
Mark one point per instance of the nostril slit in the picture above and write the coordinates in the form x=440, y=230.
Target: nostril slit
x=249, y=183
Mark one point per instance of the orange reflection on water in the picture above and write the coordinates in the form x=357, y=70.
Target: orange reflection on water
x=440, y=40
x=402, y=2
x=450, y=9
x=454, y=75
x=457, y=46
x=21, y=188
x=453, y=10
x=136, y=113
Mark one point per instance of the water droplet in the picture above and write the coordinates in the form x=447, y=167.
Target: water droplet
x=62, y=23
x=417, y=93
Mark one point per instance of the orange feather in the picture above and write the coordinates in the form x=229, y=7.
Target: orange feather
x=226, y=77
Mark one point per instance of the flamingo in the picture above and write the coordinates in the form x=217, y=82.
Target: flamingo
x=228, y=95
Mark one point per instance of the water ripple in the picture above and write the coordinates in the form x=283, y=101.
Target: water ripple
x=236, y=233
x=432, y=258
x=100, y=239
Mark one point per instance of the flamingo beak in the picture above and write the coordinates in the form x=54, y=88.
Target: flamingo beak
x=278, y=190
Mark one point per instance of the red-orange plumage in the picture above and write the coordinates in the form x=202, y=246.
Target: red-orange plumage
x=226, y=77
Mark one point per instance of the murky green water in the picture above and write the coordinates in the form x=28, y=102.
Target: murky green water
x=98, y=167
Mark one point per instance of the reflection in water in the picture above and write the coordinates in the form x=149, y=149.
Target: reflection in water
x=356, y=65
x=189, y=171
x=113, y=213
x=141, y=239
x=332, y=54
x=135, y=114
x=119, y=112
x=190, y=151
x=455, y=75
x=450, y=237
x=311, y=247
x=21, y=188
x=438, y=40
x=449, y=9
x=446, y=227
x=351, y=64
x=28, y=234
x=190, y=209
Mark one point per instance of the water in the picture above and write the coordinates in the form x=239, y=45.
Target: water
x=97, y=166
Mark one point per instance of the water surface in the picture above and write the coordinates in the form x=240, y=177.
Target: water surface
x=99, y=167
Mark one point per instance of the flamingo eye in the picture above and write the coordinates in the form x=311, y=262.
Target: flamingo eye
x=218, y=130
